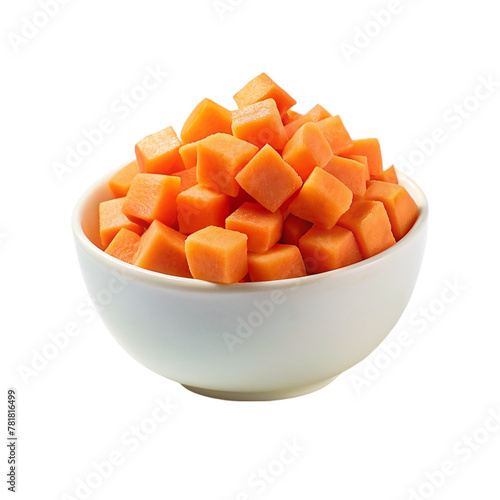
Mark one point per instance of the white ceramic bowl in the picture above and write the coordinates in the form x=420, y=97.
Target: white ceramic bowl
x=249, y=341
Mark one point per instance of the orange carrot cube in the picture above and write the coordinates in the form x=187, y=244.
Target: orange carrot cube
x=371, y=149
x=207, y=118
x=335, y=133
x=278, y=263
x=159, y=153
x=315, y=114
x=269, y=179
x=260, y=124
x=218, y=255
x=369, y=222
x=262, y=227
x=360, y=159
x=289, y=117
x=322, y=199
x=285, y=119
x=327, y=249
x=349, y=172
x=188, y=178
x=189, y=154
x=112, y=219
x=293, y=229
x=162, y=249
x=121, y=180
x=400, y=206
x=220, y=158
x=124, y=245
x=152, y=196
x=293, y=115
x=388, y=175
x=262, y=88
x=307, y=149
x=199, y=207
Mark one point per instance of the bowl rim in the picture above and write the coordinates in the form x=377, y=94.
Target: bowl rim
x=159, y=279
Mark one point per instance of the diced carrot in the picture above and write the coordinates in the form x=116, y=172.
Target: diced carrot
x=189, y=154
x=207, y=118
x=318, y=113
x=369, y=222
x=278, y=263
x=285, y=119
x=259, y=193
x=268, y=178
x=262, y=88
x=159, y=153
x=327, y=249
x=364, y=161
x=188, y=178
x=289, y=117
x=315, y=114
x=307, y=149
x=124, y=245
x=262, y=227
x=293, y=115
x=322, y=199
x=220, y=158
x=400, y=206
x=112, y=219
x=121, y=180
x=152, y=196
x=360, y=159
x=349, y=172
x=162, y=249
x=335, y=133
x=199, y=207
x=388, y=175
x=217, y=254
x=369, y=148
x=293, y=229
x=260, y=124
x=292, y=127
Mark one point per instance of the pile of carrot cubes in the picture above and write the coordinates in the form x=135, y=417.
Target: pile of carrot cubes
x=257, y=194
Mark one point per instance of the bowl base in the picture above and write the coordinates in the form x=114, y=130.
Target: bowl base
x=260, y=396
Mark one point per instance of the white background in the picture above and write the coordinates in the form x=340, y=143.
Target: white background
x=382, y=428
